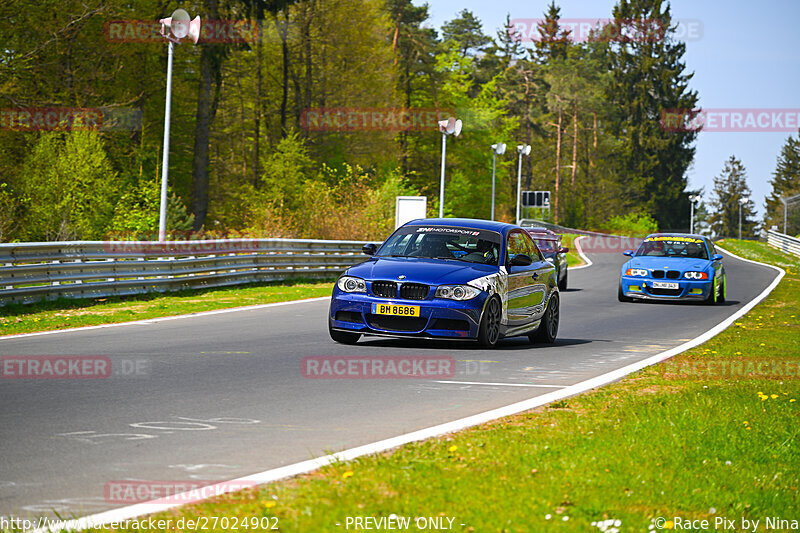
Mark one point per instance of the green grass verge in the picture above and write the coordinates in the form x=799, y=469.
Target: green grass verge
x=656, y=444
x=573, y=259
x=64, y=313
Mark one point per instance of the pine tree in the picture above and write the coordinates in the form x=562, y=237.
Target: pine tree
x=649, y=78
x=729, y=187
x=785, y=183
x=466, y=30
x=554, y=41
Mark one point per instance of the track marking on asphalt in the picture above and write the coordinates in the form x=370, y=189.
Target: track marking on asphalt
x=275, y=474
x=149, y=321
x=501, y=384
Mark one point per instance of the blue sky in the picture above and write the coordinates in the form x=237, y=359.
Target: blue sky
x=745, y=56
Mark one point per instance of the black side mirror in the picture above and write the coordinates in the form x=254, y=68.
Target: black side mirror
x=563, y=250
x=521, y=260
x=370, y=249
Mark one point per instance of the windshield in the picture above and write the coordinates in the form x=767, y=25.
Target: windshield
x=444, y=242
x=673, y=247
x=546, y=245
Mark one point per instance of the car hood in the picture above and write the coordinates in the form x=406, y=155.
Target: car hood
x=420, y=270
x=668, y=263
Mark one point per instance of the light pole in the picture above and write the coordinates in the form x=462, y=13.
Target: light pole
x=743, y=200
x=522, y=149
x=692, y=199
x=497, y=149
x=451, y=126
x=180, y=25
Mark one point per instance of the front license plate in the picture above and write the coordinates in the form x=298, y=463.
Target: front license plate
x=664, y=285
x=394, y=309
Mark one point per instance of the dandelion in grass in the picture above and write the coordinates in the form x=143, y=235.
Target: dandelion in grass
x=268, y=505
x=347, y=474
x=452, y=448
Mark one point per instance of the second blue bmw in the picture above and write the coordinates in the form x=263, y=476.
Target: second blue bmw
x=449, y=279
x=673, y=266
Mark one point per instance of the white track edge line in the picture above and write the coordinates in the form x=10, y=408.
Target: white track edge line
x=268, y=476
x=147, y=321
x=501, y=384
x=586, y=260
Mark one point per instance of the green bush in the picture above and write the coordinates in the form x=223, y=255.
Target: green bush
x=632, y=225
x=137, y=211
x=68, y=188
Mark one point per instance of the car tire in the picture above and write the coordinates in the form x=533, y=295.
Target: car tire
x=621, y=295
x=548, y=328
x=721, y=298
x=713, y=299
x=562, y=283
x=489, y=329
x=343, y=337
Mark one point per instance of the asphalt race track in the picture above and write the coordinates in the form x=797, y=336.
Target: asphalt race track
x=221, y=396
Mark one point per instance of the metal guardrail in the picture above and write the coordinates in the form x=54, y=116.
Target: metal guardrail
x=533, y=223
x=31, y=272
x=783, y=242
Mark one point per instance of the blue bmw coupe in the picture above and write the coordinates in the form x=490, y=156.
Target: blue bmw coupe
x=449, y=279
x=673, y=266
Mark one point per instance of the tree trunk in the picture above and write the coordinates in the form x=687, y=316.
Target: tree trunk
x=574, y=142
x=528, y=169
x=259, y=108
x=558, y=167
x=210, y=77
x=283, y=31
x=309, y=81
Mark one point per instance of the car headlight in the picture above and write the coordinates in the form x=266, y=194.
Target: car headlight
x=695, y=275
x=636, y=272
x=456, y=292
x=351, y=284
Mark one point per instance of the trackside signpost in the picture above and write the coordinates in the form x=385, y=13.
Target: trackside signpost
x=407, y=208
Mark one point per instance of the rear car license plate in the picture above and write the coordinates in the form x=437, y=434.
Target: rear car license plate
x=664, y=285
x=396, y=310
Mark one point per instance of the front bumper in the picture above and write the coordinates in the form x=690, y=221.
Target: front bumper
x=642, y=288
x=439, y=318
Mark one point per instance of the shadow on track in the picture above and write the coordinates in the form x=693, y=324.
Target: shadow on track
x=511, y=343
